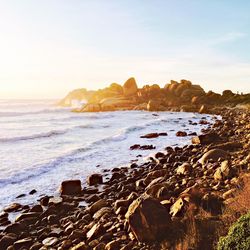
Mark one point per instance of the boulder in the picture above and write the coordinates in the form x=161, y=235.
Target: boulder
x=214, y=155
x=148, y=219
x=130, y=87
x=71, y=187
x=206, y=138
x=95, y=179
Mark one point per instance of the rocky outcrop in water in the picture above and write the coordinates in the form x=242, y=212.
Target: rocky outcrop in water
x=175, y=96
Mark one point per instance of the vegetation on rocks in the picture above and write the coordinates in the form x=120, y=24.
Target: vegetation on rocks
x=238, y=237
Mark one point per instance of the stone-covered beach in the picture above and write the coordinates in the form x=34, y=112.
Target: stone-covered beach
x=176, y=200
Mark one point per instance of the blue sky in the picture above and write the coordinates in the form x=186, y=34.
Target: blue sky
x=49, y=47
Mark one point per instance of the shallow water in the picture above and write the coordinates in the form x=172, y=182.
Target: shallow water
x=42, y=145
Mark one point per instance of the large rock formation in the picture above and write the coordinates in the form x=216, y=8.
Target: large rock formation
x=130, y=87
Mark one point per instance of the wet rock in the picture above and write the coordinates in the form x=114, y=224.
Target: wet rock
x=148, y=219
x=15, y=207
x=147, y=147
x=20, y=196
x=143, y=147
x=214, y=155
x=153, y=135
x=33, y=191
x=95, y=179
x=44, y=201
x=181, y=133
x=71, y=187
x=26, y=215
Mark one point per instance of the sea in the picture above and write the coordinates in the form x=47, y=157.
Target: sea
x=42, y=144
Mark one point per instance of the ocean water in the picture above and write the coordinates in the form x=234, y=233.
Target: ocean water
x=41, y=144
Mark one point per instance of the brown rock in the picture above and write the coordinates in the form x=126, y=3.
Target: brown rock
x=185, y=168
x=181, y=133
x=130, y=87
x=206, y=139
x=71, y=187
x=13, y=208
x=214, y=155
x=6, y=241
x=97, y=206
x=95, y=179
x=113, y=245
x=148, y=219
x=51, y=241
x=80, y=246
x=23, y=243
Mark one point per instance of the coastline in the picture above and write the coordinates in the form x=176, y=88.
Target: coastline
x=176, y=184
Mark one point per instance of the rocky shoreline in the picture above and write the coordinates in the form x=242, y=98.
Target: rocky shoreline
x=173, y=201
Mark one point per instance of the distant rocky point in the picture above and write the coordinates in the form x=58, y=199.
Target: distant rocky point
x=175, y=96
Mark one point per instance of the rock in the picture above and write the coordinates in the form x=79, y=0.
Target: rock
x=203, y=109
x=214, y=155
x=148, y=219
x=113, y=245
x=101, y=212
x=27, y=215
x=181, y=133
x=23, y=243
x=185, y=168
x=229, y=194
x=177, y=207
x=91, y=107
x=6, y=241
x=55, y=201
x=80, y=246
x=135, y=146
x=13, y=208
x=95, y=179
x=147, y=147
x=154, y=105
x=153, y=135
x=33, y=191
x=130, y=87
x=71, y=187
x=206, y=139
x=223, y=172
x=97, y=206
x=51, y=241
x=95, y=231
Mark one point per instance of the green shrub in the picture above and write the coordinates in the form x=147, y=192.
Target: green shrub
x=238, y=237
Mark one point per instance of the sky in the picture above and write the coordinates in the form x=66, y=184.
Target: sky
x=49, y=47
